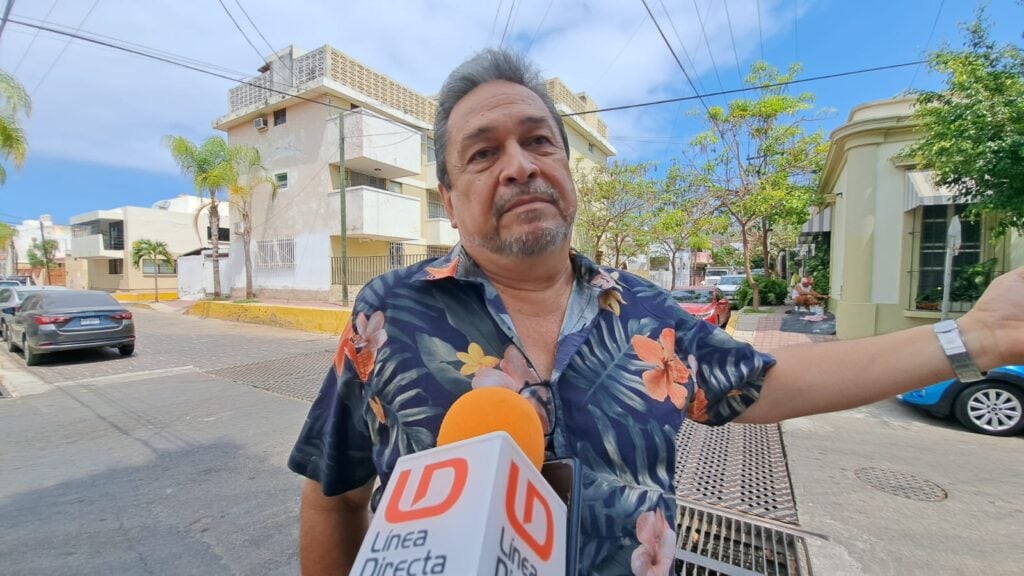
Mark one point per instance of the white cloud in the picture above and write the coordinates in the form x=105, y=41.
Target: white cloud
x=98, y=105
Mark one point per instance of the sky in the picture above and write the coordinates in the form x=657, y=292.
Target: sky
x=98, y=114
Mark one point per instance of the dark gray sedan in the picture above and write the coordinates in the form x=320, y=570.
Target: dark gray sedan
x=51, y=321
x=12, y=297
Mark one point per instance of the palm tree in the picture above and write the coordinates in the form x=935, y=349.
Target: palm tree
x=251, y=175
x=155, y=250
x=14, y=100
x=212, y=168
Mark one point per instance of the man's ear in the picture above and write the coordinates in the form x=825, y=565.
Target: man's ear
x=446, y=198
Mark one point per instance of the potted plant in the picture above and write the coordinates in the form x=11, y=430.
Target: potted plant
x=930, y=300
x=971, y=281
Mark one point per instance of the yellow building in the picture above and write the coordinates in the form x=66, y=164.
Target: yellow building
x=888, y=227
x=394, y=214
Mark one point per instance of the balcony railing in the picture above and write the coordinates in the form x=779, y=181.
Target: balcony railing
x=362, y=269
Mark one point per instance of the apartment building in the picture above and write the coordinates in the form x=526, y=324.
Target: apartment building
x=101, y=243
x=393, y=211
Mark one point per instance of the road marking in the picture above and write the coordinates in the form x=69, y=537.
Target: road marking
x=130, y=376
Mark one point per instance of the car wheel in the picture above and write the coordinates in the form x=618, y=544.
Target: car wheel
x=126, y=349
x=31, y=358
x=11, y=346
x=993, y=408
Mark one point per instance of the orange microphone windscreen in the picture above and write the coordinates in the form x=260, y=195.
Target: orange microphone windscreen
x=484, y=410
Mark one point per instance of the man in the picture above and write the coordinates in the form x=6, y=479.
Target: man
x=804, y=294
x=610, y=361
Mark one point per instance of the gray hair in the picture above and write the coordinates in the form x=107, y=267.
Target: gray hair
x=488, y=65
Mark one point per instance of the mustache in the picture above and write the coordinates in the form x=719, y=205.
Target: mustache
x=537, y=189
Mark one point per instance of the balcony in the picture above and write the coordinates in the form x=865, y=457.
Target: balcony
x=380, y=148
x=439, y=232
x=97, y=234
x=97, y=246
x=377, y=214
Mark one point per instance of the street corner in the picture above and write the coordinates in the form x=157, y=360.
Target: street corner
x=305, y=318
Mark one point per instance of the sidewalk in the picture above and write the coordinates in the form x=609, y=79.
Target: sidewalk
x=944, y=501
x=308, y=316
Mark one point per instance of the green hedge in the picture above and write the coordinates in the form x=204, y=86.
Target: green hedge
x=773, y=292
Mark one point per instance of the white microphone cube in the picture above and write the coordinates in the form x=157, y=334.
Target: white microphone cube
x=475, y=507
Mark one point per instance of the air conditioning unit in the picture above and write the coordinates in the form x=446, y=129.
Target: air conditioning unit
x=260, y=123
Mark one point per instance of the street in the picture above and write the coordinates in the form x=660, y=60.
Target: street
x=161, y=463
x=173, y=462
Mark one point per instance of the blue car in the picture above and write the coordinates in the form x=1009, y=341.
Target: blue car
x=993, y=406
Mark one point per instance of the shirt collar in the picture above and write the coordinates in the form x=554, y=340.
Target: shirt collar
x=457, y=264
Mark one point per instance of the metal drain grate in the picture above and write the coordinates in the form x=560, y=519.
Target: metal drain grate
x=739, y=467
x=901, y=484
x=298, y=376
x=713, y=541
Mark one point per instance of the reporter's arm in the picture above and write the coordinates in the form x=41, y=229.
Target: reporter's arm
x=331, y=529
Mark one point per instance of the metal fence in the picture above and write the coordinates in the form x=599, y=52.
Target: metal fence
x=362, y=269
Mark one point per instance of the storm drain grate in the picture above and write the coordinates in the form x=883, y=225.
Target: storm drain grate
x=298, y=376
x=901, y=484
x=740, y=467
x=713, y=541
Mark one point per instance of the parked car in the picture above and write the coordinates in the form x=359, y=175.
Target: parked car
x=54, y=320
x=729, y=284
x=12, y=296
x=993, y=406
x=704, y=302
x=17, y=281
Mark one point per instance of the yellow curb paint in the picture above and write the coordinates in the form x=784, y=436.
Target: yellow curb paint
x=143, y=296
x=296, y=317
x=730, y=326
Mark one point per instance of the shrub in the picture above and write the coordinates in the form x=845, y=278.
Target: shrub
x=773, y=292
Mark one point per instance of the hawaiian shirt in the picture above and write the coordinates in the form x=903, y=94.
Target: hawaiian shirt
x=629, y=367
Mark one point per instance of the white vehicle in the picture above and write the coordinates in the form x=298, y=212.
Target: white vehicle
x=729, y=284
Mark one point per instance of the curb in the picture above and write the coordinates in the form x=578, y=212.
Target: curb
x=20, y=382
x=323, y=320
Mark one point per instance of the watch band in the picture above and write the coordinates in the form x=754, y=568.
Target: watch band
x=953, y=345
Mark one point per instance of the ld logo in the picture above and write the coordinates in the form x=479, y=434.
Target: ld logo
x=532, y=498
x=395, y=514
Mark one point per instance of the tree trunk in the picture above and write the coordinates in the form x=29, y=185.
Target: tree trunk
x=156, y=282
x=672, y=266
x=246, y=240
x=755, y=289
x=215, y=243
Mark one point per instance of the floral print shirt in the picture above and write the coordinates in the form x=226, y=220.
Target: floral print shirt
x=629, y=367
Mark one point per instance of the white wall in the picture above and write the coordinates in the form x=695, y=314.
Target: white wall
x=195, y=277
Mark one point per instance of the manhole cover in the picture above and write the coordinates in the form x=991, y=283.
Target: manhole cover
x=901, y=484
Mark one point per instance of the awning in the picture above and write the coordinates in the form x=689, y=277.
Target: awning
x=820, y=222
x=921, y=191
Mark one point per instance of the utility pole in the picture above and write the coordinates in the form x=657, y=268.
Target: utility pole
x=42, y=246
x=7, y=12
x=344, y=213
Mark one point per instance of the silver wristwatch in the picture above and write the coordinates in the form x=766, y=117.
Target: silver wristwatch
x=952, y=344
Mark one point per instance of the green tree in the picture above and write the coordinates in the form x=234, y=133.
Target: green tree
x=613, y=214
x=7, y=233
x=14, y=102
x=727, y=256
x=155, y=250
x=41, y=254
x=972, y=131
x=756, y=161
x=683, y=221
x=212, y=167
x=251, y=175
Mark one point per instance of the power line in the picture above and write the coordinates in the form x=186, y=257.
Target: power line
x=539, y=26
x=735, y=53
x=796, y=30
x=748, y=89
x=682, y=45
x=928, y=43
x=621, y=51
x=760, y=33
x=707, y=43
x=494, y=24
x=291, y=67
x=675, y=57
x=32, y=42
x=508, y=22
x=242, y=32
x=4, y=18
x=63, y=49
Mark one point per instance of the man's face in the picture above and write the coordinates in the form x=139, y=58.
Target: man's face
x=511, y=191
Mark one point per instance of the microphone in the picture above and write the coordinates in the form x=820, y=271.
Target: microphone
x=475, y=504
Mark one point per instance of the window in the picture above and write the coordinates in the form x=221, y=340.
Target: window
x=590, y=147
x=280, y=117
x=931, y=248
x=223, y=234
x=437, y=251
x=158, y=267
x=435, y=208
x=353, y=178
x=431, y=151
x=281, y=179
x=275, y=253
x=115, y=267
x=394, y=187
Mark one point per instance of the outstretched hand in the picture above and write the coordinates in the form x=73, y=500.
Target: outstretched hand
x=994, y=328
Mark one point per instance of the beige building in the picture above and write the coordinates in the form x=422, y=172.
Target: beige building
x=888, y=227
x=15, y=260
x=101, y=244
x=394, y=215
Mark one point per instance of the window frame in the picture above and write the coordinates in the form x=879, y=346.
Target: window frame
x=120, y=268
x=283, y=119
x=277, y=181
